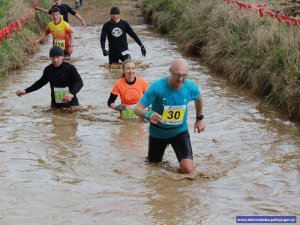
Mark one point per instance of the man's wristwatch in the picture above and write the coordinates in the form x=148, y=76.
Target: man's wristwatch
x=200, y=117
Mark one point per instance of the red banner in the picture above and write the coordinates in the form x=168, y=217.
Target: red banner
x=263, y=12
x=5, y=32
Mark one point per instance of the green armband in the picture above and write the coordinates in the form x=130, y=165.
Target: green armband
x=148, y=114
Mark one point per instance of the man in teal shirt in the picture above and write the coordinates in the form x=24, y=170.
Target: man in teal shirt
x=169, y=98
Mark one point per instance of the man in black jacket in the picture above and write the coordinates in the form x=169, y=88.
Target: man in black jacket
x=64, y=10
x=65, y=81
x=115, y=30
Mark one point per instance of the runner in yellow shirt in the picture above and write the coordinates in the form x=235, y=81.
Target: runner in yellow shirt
x=62, y=33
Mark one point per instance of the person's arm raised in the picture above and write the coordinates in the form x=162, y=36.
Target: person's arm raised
x=42, y=10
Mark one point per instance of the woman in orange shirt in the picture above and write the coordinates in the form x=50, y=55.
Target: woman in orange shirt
x=130, y=88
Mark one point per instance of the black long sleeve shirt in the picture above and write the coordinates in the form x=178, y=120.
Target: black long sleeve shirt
x=116, y=35
x=64, y=76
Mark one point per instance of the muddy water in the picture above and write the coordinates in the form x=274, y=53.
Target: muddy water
x=88, y=166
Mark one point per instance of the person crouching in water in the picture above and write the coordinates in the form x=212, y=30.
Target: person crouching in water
x=130, y=88
x=65, y=81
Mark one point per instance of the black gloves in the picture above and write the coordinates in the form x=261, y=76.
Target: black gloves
x=143, y=50
x=105, y=52
x=120, y=107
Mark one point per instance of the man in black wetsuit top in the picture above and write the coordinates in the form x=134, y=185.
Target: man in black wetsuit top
x=65, y=81
x=116, y=31
x=64, y=10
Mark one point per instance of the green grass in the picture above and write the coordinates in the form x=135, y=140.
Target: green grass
x=4, y=7
x=15, y=50
x=259, y=54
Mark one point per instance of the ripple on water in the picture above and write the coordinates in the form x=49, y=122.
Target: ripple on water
x=85, y=165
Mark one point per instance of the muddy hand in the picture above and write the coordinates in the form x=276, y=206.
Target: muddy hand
x=68, y=97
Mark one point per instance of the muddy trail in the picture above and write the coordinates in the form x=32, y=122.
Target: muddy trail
x=95, y=13
x=88, y=166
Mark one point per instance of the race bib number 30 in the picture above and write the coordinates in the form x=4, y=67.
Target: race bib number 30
x=173, y=115
x=59, y=93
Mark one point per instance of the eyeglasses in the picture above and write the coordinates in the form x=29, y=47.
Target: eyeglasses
x=177, y=76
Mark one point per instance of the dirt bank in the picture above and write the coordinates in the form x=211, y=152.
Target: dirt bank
x=289, y=7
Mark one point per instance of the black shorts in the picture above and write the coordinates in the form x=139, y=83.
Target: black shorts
x=114, y=57
x=180, y=143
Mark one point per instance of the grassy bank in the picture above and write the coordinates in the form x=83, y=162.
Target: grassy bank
x=15, y=50
x=259, y=54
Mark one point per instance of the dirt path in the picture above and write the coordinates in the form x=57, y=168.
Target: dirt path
x=97, y=11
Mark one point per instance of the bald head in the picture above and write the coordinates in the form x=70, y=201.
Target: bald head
x=179, y=71
x=179, y=64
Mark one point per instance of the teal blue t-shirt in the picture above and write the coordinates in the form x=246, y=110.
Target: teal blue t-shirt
x=171, y=104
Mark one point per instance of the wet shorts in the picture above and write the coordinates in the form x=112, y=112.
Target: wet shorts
x=180, y=143
x=114, y=57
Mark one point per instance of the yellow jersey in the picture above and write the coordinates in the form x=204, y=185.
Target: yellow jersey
x=60, y=33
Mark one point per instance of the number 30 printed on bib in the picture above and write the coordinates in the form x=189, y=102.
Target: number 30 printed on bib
x=173, y=115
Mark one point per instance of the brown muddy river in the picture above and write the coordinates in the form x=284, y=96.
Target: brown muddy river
x=88, y=167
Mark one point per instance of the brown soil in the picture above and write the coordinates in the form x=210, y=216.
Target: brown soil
x=286, y=7
x=289, y=8
x=97, y=12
